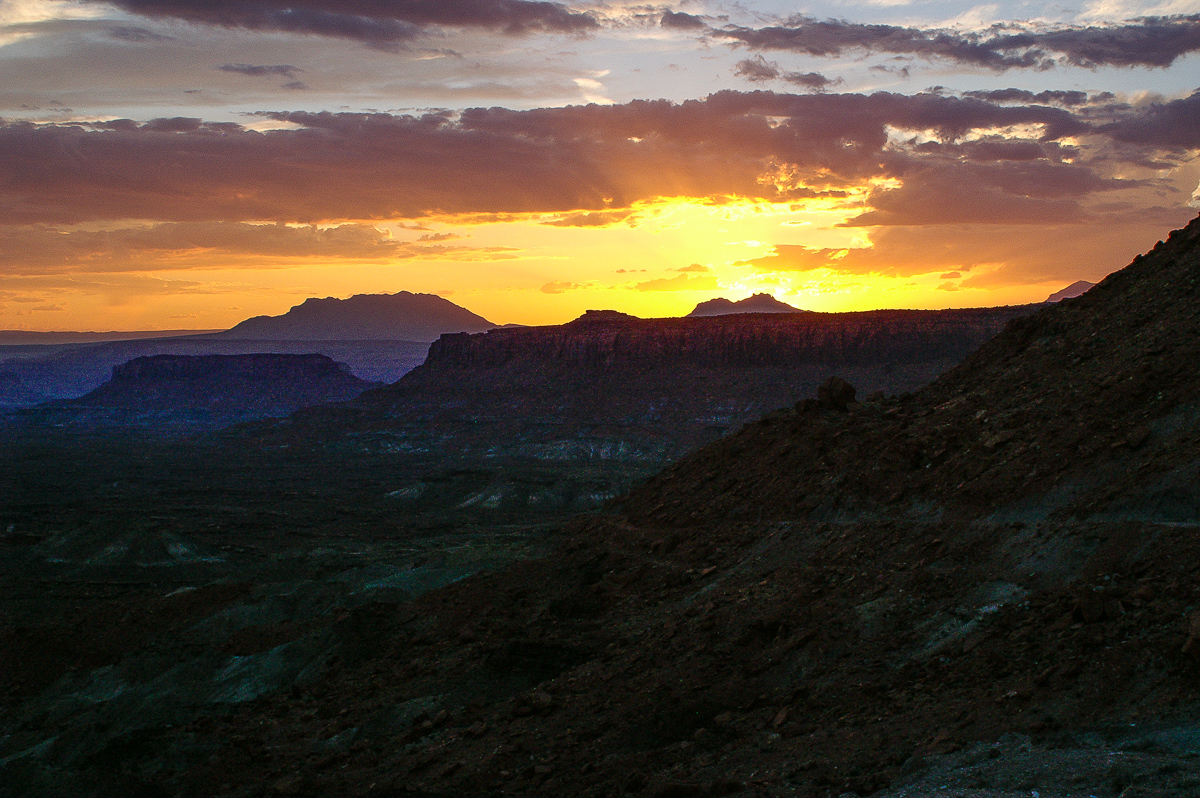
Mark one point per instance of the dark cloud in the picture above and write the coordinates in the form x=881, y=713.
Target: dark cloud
x=1067, y=98
x=759, y=69
x=682, y=21
x=379, y=24
x=1146, y=42
x=1171, y=124
x=257, y=70
x=589, y=163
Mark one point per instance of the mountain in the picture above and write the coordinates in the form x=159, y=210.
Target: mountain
x=1077, y=288
x=987, y=587
x=400, y=317
x=757, y=303
x=219, y=388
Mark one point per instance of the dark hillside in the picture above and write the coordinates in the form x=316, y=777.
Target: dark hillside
x=1089, y=406
x=985, y=589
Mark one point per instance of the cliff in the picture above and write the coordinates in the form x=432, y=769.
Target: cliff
x=645, y=391
x=757, y=303
x=221, y=388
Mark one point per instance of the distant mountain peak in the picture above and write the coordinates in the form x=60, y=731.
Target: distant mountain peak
x=403, y=316
x=1077, y=288
x=757, y=303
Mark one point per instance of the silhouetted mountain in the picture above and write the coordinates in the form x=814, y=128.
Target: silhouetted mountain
x=400, y=317
x=1077, y=288
x=221, y=388
x=757, y=303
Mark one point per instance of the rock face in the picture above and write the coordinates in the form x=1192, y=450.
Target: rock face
x=399, y=317
x=757, y=303
x=222, y=388
x=649, y=390
x=598, y=340
x=1077, y=288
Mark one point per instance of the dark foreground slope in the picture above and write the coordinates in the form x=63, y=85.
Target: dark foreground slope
x=986, y=589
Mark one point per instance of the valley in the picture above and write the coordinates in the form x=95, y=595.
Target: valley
x=637, y=557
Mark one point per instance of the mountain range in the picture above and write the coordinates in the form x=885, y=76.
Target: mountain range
x=403, y=316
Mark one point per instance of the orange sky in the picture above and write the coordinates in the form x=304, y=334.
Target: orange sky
x=508, y=164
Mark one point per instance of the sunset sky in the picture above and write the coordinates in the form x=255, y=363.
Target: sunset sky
x=190, y=163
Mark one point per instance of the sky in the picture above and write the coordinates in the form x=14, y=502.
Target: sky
x=186, y=164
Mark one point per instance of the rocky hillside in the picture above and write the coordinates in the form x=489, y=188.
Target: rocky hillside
x=986, y=588
x=1087, y=408
x=1077, y=288
x=396, y=317
x=220, y=388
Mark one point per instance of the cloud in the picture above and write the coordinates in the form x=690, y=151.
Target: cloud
x=1171, y=124
x=1067, y=98
x=560, y=287
x=381, y=25
x=590, y=219
x=45, y=249
x=591, y=163
x=1146, y=42
x=759, y=69
x=695, y=268
x=990, y=255
x=682, y=282
x=254, y=70
x=681, y=21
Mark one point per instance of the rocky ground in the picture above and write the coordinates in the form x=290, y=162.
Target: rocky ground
x=988, y=588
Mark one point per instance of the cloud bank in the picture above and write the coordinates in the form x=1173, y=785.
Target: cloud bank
x=383, y=25
x=1145, y=42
